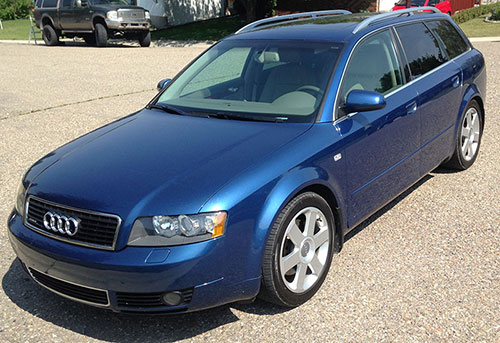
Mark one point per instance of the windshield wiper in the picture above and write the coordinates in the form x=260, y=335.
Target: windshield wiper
x=230, y=116
x=169, y=109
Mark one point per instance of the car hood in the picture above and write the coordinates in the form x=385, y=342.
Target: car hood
x=154, y=163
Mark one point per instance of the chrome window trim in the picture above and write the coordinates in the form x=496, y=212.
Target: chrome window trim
x=108, y=304
x=67, y=240
x=335, y=111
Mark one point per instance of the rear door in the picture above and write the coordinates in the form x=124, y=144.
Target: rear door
x=65, y=14
x=379, y=145
x=438, y=83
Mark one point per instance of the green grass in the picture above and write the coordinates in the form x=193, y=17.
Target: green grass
x=213, y=29
x=17, y=30
x=477, y=27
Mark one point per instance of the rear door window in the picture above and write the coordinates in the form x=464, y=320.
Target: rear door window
x=452, y=40
x=421, y=47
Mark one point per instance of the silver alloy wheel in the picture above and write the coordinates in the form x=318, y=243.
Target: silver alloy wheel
x=470, y=134
x=304, y=250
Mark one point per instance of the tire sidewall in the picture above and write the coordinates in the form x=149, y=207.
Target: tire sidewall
x=49, y=35
x=463, y=162
x=286, y=296
x=101, y=35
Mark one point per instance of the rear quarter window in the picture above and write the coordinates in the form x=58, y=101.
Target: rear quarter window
x=38, y=3
x=452, y=40
x=421, y=47
x=49, y=3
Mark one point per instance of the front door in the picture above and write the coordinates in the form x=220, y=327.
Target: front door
x=380, y=145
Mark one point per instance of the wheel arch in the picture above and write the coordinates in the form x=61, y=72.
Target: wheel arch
x=99, y=19
x=294, y=183
x=46, y=20
x=472, y=93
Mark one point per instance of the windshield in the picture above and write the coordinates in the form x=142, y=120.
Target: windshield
x=417, y=3
x=274, y=80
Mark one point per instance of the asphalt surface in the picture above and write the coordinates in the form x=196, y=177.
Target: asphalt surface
x=426, y=268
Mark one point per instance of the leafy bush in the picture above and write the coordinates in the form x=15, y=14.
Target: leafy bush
x=15, y=9
x=495, y=14
x=471, y=13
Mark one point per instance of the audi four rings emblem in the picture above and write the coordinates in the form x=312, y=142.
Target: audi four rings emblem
x=57, y=223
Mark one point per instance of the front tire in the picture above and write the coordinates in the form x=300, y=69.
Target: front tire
x=101, y=35
x=145, y=39
x=50, y=36
x=468, y=139
x=298, y=252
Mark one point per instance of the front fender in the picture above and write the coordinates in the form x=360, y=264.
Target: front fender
x=288, y=187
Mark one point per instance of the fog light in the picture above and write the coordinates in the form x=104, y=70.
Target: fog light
x=172, y=298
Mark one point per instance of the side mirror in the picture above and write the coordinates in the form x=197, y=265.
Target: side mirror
x=162, y=84
x=363, y=101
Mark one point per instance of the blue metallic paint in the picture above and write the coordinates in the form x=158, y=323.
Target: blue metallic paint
x=152, y=163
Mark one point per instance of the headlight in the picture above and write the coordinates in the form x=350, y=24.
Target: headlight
x=147, y=15
x=112, y=15
x=177, y=230
x=20, y=198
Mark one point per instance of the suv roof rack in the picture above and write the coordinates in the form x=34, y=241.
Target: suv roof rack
x=410, y=11
x=290, y=17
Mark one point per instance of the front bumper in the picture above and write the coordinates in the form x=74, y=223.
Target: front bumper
x=128, y=25
x=131, y=273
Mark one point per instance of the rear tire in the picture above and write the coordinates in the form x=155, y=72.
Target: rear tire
x=101, y=35
x=468, y=138
x=298, y=252
x=50, y=36
x=145, y=39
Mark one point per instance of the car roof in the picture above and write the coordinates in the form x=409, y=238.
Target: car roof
x=334, y=28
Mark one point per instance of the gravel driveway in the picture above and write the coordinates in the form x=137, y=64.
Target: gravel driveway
x=426, y=268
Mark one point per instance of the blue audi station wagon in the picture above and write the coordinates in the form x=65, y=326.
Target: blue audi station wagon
x=243, y=175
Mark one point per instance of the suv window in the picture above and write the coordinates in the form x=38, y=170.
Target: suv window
x=421, y=47
x=50, y=3
x=373, y=66
x=453, y=41
x=38, y=3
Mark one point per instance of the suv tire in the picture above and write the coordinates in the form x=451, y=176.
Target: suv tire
x=50, y=36
x=297, y=255
x=145, y=39
x=101, y=35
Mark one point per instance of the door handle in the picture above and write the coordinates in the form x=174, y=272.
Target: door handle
x=455, y=81
x=411, y=108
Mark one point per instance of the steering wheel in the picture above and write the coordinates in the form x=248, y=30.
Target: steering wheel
x=313, y=90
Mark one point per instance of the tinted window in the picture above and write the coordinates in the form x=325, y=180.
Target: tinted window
x=50, y=3
x=421, y=47
x=38, y=3
x=454, y=43
x=67, y=3
x=373, y=66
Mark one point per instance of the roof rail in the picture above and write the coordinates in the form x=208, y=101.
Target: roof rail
x=410, y=11
x=289, y=17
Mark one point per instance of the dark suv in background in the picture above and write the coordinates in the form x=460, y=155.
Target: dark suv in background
x=93, y=20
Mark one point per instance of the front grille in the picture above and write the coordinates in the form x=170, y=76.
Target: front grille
x=95, y=229
x=131, y=14
x=148, y=300
x=71, y=290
